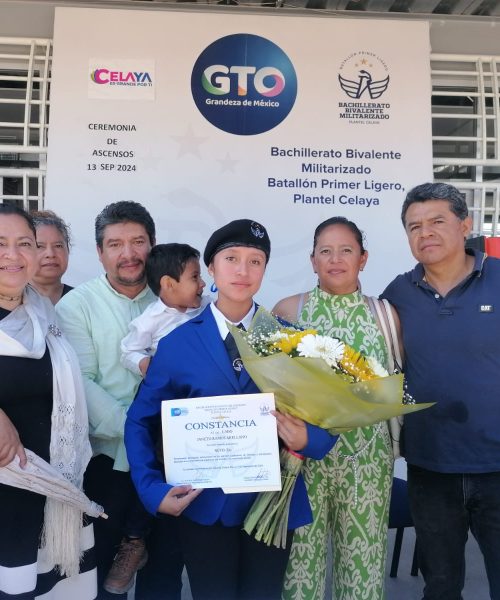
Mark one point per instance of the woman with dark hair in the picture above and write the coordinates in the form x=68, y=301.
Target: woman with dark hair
x=53, y=243
x=223, y=562
x=43, y=409
x=350, y=488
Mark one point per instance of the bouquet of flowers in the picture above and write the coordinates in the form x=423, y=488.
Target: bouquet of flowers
x=320, y=380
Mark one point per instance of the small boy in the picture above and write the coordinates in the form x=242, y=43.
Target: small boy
x=173, y=274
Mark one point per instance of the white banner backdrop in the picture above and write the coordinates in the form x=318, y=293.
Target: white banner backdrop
x=208, y=117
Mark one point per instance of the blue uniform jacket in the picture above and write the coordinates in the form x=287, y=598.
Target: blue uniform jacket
x=192, y=362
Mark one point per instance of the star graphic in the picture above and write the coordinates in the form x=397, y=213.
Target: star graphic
x=227, y=163
x=189, y=143
x=150, y=161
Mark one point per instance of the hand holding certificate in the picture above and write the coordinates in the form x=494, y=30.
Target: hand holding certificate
x=178, y=499
x=227, y=442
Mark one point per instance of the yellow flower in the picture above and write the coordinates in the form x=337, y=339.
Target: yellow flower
x=284, y=345
x=356, y=365
x=289, y=343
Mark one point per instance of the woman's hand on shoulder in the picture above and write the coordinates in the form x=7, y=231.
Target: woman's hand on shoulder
x=287, y=308
x=178, y=499
x=292, y=431
x=10, y=444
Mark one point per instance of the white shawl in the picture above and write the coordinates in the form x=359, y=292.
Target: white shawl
x=26, y=332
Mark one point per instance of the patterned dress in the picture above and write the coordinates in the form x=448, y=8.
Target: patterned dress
x=350, y=488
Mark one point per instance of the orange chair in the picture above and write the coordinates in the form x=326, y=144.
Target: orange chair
x=492, y=246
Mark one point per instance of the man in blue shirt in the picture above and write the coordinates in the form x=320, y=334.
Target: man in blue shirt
x=449, y=307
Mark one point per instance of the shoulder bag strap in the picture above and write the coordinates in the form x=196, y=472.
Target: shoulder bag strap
x=387, y=311
x=382, y=312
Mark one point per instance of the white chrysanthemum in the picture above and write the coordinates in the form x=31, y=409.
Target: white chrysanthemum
x=376, y=367
x=321, y=346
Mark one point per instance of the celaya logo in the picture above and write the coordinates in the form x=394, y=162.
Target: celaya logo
x=244, y=84
x=131, y=78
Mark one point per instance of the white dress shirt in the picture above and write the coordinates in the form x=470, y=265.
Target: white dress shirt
x=222, y=321
x=147, y=330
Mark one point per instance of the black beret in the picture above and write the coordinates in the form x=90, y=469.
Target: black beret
x=242, y=232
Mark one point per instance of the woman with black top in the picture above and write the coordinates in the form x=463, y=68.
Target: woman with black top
x=42, y=408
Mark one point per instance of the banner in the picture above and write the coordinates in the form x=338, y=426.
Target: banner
x=208, y=117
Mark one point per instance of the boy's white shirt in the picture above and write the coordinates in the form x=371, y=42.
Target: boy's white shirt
x=147, y=330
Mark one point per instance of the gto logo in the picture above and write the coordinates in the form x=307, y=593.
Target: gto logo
x=244, y=84
x=216, y=80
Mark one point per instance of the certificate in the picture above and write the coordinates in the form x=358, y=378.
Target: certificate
x=227, y=442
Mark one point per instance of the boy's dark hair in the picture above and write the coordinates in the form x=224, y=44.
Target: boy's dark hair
x=124, y=211
x=168, y=259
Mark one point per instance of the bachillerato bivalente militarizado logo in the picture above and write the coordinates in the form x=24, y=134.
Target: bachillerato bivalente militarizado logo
x=244, y=84
x=364, y=80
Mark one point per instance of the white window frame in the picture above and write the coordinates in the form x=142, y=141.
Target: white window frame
x=32, y=58
x=477, y=79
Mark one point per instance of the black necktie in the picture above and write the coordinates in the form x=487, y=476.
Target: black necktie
x=232, y=350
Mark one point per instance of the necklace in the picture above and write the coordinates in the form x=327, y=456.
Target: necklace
x=353, y=459
x=10, y=298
